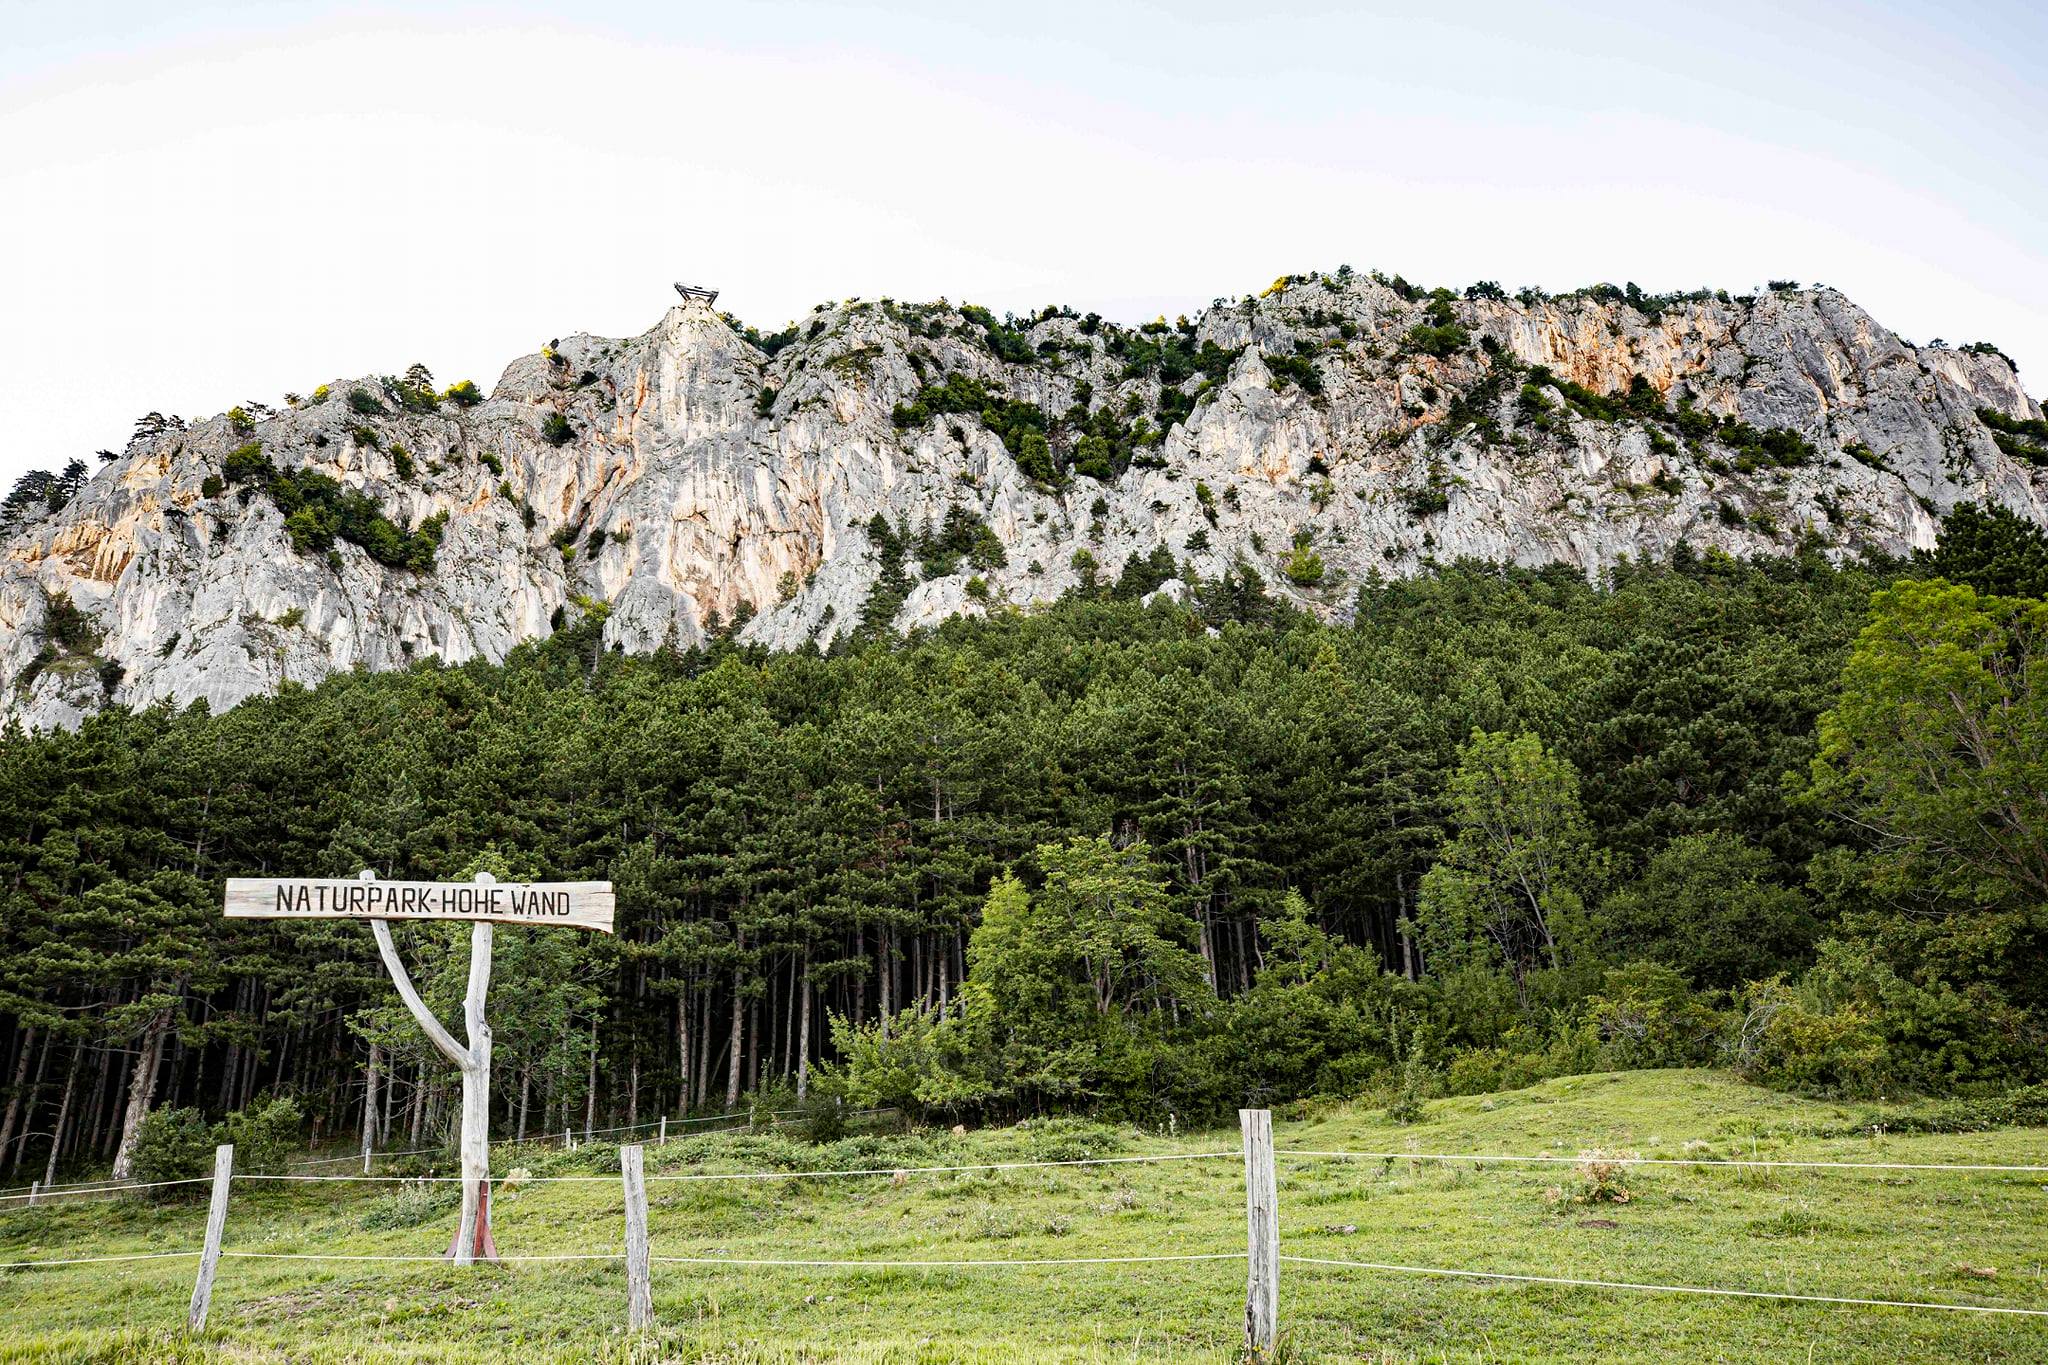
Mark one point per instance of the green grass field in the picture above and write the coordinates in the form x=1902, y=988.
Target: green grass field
x=1977, y=1238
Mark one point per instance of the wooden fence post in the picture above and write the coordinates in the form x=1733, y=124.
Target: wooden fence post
x=216, y=1223
x=639, y=1289
x=34, y=1188
x=1262, y=1236
x=664, y=1131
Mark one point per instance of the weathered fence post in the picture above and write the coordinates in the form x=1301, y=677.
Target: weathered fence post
x=1262, y=1235
x=216, y=1223
x=35, y=1188
x=663, y=1141
x=639, y=1289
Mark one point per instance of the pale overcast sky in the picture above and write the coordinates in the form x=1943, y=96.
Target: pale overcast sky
x=208, y=203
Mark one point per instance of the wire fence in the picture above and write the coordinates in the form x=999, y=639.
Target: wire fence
x=37, y=1193
x=1258, y=1253
x=1624, y=1159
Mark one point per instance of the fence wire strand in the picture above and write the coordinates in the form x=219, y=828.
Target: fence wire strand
x=1482, y=1158
x=898, y=1265
x=1570, y=1282
x=98, y=1260
x=694, y=1176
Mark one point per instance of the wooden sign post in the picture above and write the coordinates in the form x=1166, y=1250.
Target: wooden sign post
x=485, y=902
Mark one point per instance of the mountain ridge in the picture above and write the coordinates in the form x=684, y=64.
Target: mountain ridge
x=889, y=465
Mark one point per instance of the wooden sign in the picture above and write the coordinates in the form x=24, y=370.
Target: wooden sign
x=572, y=905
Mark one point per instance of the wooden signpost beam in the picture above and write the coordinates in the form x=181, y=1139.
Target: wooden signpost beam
x=485, y=903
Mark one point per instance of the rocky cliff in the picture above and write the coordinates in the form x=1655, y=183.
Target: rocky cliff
x=884, y=464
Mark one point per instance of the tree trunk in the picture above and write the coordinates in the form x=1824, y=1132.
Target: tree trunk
x=703, y=1091
x=683, y=1049
x=64, y=1111
x=590, y=1087
x=754, y=1046
x=525, y=1098
x=124, y=1067
x=739, y=1019
x=14, y=1091
x=473, y=1234
x=28, y=1117
x=141, y=1089
x=803, y=1030
x=416, y=1119
x=888, y=975
x=231, y=1067
x=370, y=1104
x=102, y=1095
x=860, y=979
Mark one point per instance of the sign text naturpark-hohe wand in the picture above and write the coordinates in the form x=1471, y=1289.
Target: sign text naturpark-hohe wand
x=575, y=905
x=486, y=901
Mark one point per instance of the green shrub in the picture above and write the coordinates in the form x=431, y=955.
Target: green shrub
x=401, y=461
x=66, y=625
x=1428, y=500
x=2025, y=439
x=411, y=1205
x=364, y=403
x=247, y=464
x=1070, y=1139
x=1441, y=342
x=1294, y=369
x=2026, y=1107
x=265, y=1136
x=1648, y=1016
x=1305, y=566
x=174, y=1144
x=556, y=430
x=318, y=511
x=1020, y=426
x=463, y=393
x=212, y=486
x=823, y=1118
x=1005, y=340
x=1788, y=1039
x=1410, y=1100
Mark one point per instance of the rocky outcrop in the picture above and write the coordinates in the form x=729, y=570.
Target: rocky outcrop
x=687, y=480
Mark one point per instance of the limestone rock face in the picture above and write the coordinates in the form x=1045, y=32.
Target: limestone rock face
x=687, y=480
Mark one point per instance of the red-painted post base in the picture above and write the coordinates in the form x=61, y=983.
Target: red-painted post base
x=486, y=1248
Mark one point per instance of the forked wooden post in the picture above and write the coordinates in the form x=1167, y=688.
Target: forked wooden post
x=1262, y=1236
x=216, y=1224
x=639, y=1288
x=481, y=902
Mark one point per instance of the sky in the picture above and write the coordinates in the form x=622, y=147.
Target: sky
x=202, y=204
